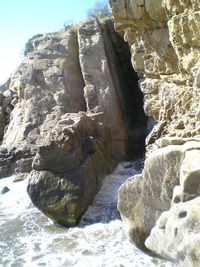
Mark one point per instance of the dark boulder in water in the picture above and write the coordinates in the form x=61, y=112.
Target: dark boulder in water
x=4, y=190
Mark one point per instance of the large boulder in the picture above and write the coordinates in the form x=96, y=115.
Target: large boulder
x=144, y=197
x=176, y=235
x=69, y=167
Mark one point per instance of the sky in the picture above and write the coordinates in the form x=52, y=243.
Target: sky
x=22, y=19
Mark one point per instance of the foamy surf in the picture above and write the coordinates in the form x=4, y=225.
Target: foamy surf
x=28, y=238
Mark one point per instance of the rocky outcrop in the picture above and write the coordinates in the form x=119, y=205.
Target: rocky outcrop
x=164, y=41
x=43, y=84
x=69, y=167
x=71, y=121
x=165, y=52
x=143, y=198
x=177, y=234
x=80, y=69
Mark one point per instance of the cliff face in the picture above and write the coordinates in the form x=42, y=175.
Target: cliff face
x=164, y=41
x=73, y=109
x=69, y=113
x=165, y=51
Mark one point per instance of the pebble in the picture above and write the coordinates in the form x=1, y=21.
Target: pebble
x=4, y=190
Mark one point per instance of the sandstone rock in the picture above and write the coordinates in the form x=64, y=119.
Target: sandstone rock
x=170, y=140
x=189, y=177
x=1, y=98
x=48, y=83
x=168, y=61
x=57, y=197
x=68, y=144
x=164, y=40
x=156, y=10
x=4, y=171
x=166, y=141
x=176, y=235
x=99, y=91
x=180, y=196
x=23, y=165
x=190, y=172
x=65, y=197
x=59, y=76
x=71, y=110
x=72, y=161
x=197, y=78
x=143, y=198
x=44, y=89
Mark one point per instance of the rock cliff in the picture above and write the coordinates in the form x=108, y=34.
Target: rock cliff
x=74, y=108
x=164, y=39
x=69, y=113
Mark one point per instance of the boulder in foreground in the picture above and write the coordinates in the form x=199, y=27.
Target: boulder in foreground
x=69, y=167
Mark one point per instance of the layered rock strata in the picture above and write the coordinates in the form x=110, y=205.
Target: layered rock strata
x=165, y=50
x=70, y=119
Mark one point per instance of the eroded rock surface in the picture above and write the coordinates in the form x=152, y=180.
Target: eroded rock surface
x=144, y=197
x=176, y=235
x=70, y=121
x=69, y=167
x=165, y=51
x=164, y=40
x=42, y=84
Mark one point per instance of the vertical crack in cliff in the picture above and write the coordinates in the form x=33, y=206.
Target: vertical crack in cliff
x=73, y=77
x=126, y=84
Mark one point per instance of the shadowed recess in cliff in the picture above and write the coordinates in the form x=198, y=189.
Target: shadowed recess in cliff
x=126, y=84
x=78, y=105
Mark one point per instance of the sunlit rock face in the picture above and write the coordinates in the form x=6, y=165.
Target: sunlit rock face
x=164, y=41
x=76, y=110
x=176, y=234
x=42, y=85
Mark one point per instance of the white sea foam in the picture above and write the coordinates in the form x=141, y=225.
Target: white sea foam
x=28, y=238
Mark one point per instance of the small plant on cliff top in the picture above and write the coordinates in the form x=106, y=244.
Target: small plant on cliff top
x=100, y=9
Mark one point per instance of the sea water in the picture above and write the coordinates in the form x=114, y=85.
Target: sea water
x=30, y=239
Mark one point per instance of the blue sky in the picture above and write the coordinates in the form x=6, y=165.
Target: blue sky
x=21, y=19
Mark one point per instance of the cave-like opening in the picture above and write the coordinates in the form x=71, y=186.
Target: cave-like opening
x=130, y=96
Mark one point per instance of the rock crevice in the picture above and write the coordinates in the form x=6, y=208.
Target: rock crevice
x=165, y=52
x=77, y=109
